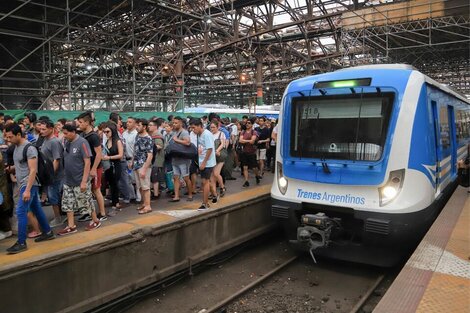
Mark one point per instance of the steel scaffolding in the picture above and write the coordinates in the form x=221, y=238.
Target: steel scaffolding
x=160, y=55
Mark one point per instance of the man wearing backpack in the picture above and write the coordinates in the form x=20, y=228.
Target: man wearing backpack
x=28, y=184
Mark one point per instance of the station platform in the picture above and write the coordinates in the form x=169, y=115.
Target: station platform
x=81, y=271
x=437, y=276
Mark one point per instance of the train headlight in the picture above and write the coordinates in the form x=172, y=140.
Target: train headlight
x=282, y=181
x=389, y=192
x=392, y=188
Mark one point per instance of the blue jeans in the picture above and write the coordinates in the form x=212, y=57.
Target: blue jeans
x=54, y=192
x=35, y=206
x=124, y=184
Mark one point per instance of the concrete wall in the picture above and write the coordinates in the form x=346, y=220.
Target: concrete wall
x=100, y=273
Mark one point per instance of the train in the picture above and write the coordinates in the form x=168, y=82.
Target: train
x=269, y=111
x=367, y=157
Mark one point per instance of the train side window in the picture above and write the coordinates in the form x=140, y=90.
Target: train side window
x=461, y=125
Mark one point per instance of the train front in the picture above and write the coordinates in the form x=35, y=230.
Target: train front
x=339, y=186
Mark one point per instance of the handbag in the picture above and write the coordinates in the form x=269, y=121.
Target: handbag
x=175, y=149
x=223, y=153
x=106, y=164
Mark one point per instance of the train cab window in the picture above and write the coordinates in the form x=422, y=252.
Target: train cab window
x=351, y=126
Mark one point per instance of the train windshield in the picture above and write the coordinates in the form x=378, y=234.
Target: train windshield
x=349, y=126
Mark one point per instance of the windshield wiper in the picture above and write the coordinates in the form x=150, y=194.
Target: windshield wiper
x=299, y=145
x=326, y=168
x=357, y=128
x=324, y=165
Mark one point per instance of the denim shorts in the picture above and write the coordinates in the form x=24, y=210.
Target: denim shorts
x=181, y=168
x=54, y=192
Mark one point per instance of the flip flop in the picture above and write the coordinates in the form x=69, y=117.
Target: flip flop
x=145, y=211
x=34, y=234
x=189, y=199
x=174, y=200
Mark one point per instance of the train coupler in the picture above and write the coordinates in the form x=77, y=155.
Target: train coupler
x=315, y=231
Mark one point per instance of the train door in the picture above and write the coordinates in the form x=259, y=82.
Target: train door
x=453, y=140
x=442, y=131
x=437, y=142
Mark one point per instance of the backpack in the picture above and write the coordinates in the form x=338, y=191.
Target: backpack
x=230, y=130
x=154, y=147
x=45, y=166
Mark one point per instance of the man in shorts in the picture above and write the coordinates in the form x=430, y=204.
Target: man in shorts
x=142, y=163
x=206, y=158
x=77, y=187
x=264, y=137
x=85, y=123
x=180, y=165
x=247, y=140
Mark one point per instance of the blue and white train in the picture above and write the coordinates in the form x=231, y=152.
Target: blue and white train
x=367, y=157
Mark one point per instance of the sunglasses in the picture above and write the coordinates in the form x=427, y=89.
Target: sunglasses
x=107, y=131
x=249, y=123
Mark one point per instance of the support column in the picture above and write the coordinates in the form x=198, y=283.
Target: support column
x=180, y=79
x=259, y=83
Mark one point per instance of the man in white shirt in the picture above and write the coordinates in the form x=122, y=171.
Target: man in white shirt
x=206, y=158
x=129, y=136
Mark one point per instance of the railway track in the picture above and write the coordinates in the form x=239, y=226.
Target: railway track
x=225, y=306
x=263, y=276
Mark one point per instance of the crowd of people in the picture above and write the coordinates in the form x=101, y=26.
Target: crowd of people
x=76, y=165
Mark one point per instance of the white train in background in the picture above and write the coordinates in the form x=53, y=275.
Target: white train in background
x=270, y=111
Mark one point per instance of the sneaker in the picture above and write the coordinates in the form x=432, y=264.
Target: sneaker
x=258, y=179
x=222, y=192
x=93, y=225
x=56, y=222
x=46, y=236
x=84, y=218
x=203, y=207
x=17, y=248
x=5, y=234
x=246, y=184
x=215, y=199
x=101, y=217
x=67, y=231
